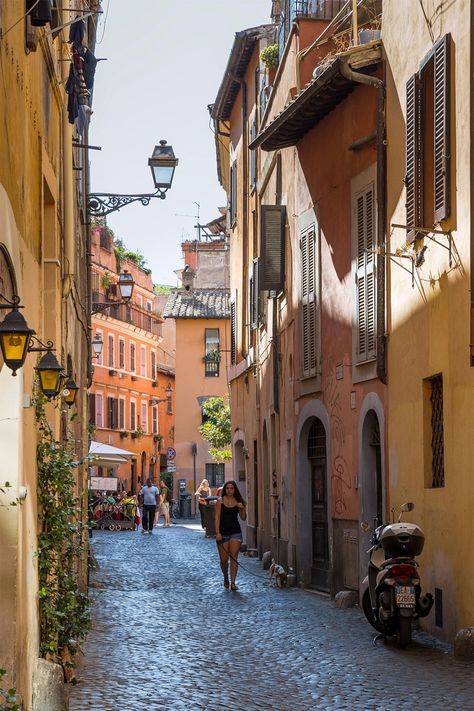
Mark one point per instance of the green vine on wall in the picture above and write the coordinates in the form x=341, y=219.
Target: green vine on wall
x=8, y=698
x=64, y=609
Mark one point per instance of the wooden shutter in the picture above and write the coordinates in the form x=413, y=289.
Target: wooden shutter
x=233, y=332
x=92, y=408
x=110, y=412
x=365, y=275
x=272, y=262
x=254, y=295
x=233, y=194
x=442, y=129
x=414, y=156
x=310, y=302
x=115, y=417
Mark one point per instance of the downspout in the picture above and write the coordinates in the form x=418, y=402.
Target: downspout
x=379, y=84
x=68, y=187
x=471, y=110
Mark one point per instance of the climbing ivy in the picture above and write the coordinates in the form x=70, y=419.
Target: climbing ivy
x=64, y=609
x=8, y=698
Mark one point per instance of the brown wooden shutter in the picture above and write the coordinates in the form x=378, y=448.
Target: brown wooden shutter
x=110, y=412
x=233, y=332
x=255, y=295
x=442, y=129
x=115, y=416
x=272, y=262
x=365, y=275
x=414, y=156
x=310, y=307
x=92, y=408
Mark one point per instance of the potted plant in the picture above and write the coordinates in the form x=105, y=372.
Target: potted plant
x=213, y=356
x=270, y=56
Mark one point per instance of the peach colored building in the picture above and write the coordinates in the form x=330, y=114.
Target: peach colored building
x=200, y=309
x=300, y=153
x=132, y=394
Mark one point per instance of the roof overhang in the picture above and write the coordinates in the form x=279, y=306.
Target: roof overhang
x=318, y=98
x=241, y=52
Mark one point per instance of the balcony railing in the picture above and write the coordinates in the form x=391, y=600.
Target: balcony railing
x=315, y=9
x=131, y=314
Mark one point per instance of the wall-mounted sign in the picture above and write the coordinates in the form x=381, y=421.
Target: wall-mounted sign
x=170, y=453
x=104, y=483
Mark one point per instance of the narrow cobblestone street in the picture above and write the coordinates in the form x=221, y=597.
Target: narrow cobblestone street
x=167, y=636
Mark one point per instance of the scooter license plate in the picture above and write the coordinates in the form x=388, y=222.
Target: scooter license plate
x=405, y=596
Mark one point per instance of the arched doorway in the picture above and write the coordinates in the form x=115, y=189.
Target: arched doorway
x=317, y=456
x=371, y=482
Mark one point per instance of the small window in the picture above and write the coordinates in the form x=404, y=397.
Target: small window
x=212, y=355
x=132, y=357
x=169, y=404
x=434, y=431
x=154, y=419
x=133, y=416
x=153, y=365
x=143, y=417
x=99, y=405
x=121, y=363
x=143, y=361
x=215, y=474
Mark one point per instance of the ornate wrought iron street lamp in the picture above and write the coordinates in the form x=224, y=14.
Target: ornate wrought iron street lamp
x=14, y=335
x=125, y=286
x=70, y=391
x=50, y=374
x=162, y=162
x=97, y=345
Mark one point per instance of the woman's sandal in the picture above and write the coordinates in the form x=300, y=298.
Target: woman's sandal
x=234, y=587
x=226, y=583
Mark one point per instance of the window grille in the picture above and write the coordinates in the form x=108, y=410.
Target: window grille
x=437, y=432
x=215, y=474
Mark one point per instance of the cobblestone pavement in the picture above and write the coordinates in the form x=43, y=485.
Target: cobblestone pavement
x=167, y=636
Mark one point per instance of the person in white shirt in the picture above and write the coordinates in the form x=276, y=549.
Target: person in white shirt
x=150, y=496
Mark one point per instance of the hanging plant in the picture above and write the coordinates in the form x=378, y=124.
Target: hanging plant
x=270, y=56
x=63, y=609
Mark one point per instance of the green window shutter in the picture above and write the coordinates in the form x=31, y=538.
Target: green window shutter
x=233, y=332
x=310, y=302
x=365, y=274
x=414, y=156
x=272, y=242
x=254, y=295
x=442, y=129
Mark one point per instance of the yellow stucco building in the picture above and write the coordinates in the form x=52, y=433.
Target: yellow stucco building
x=429, y=53
x=43, y=261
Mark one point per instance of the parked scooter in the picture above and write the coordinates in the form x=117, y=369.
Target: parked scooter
x=392, y=597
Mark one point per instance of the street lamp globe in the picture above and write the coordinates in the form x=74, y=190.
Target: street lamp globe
x=49, y=372
x=97, y=345
x=125, y=285
x=163, y=163
x=14, y=339
x=70, y=391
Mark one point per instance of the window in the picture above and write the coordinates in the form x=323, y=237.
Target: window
x=154, y=419
x=153, y=365
x=215, y=474
x=121, y=414
x=310, y=301
x=139, y=300
x=143, y=417
x=169, y=404
x=148, y=305
x=121, y=363
x=212, y=353
x=364, y=231
x=272, y=244
x=99, y=405
x=254, y=301
x=133, y=415
x=112, y=413
x=253, y=154
x=143, y=361
x=428, y=148
x=233, y=194
x=233, y=331
x=132, y=357
x=111, y=351
x=433, y=431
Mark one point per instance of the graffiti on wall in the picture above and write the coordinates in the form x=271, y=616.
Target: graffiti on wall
x=340, y=476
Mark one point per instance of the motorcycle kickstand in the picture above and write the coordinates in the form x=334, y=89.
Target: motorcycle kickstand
x=378, y=636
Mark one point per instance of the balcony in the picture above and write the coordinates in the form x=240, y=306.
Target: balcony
x=129, y=313
x=313, y=9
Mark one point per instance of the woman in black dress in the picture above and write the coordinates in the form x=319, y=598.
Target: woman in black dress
x=228, y=532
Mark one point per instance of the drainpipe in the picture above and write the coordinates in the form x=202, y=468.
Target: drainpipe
x=68, y=187
x=379, y=84
x=471, y=102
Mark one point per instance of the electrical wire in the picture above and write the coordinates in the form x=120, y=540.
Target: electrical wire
x=3, y=34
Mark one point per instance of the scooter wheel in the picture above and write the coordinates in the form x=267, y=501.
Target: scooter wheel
x=112, y=527
x=369, y=614
x=404, y=631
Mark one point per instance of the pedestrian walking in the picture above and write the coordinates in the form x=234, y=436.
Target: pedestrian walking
x=229, y=507
x=202, y=492
x=165, y=502
x=150, y=496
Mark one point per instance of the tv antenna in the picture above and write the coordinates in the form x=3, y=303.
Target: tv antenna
x=195, y=217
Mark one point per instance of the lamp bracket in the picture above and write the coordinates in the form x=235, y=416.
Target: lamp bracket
x=14, y=303
x=99, y=306
x=42, y=348
x=101, y=204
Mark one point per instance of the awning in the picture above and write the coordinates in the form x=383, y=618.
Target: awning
x=105, y=454
x=327, y=89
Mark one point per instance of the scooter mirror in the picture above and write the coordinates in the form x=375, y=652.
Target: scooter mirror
x=409, y=506
x=365, y=526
